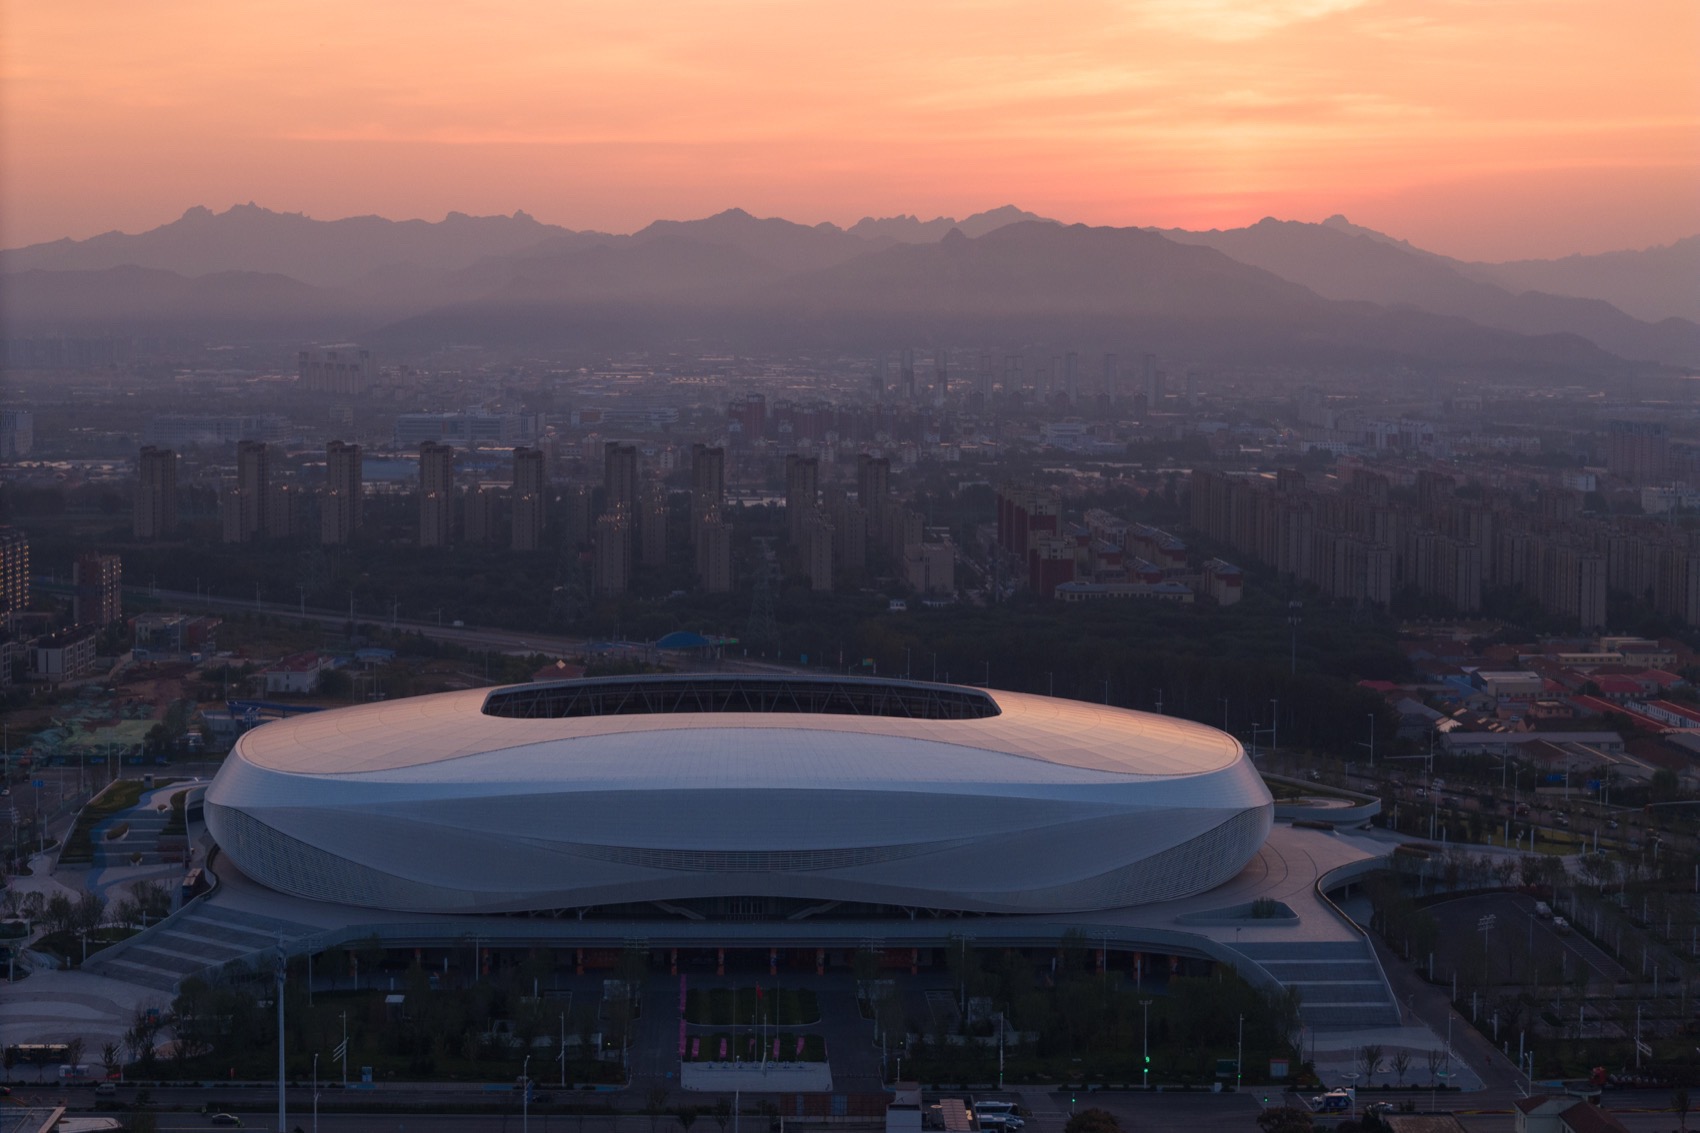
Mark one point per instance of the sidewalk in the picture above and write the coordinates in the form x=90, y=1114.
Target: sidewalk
x=1427, y=1004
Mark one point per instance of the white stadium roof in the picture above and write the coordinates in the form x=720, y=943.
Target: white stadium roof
x=1057, y=734
x=632, y=790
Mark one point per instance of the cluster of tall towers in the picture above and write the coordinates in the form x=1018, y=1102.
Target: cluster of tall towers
x=256, y=503
x=441, y=504
x=633, y=530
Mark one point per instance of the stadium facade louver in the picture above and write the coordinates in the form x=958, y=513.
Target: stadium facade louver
x=787, y=792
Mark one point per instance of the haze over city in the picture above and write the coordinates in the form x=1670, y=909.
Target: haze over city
x=1485, y=131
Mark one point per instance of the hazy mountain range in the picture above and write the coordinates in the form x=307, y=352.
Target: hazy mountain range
x=1275, y=291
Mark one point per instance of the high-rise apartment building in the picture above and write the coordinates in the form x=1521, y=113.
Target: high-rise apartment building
x=575, y=515
x=1638, y=451
x=749, y=414
x=343, y=506
x=344, y=371
x=611, y=554
x=619, y=477
x=17, y=433
x=480, y=526
x=283, y=508
x=436, y=494
x=155, y=512
x=873, y=487
x=97, y=589
x=14, y=572
x=802, y=493
x=620, y=491
x=714, y=554
x=708, y=481
x=816, y=536
x=652, y=526
x=530, y=497
x=850, y=537
x=245, y=498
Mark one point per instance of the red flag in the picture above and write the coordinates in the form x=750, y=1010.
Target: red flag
x=758, y=991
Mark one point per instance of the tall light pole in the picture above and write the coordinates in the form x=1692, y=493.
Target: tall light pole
x=525, y=1098
x=315, y=1092
x=1274, y=725
x=1293, y=623
x=282, y=1116
x=1145, y=1069
x=1239, y=1057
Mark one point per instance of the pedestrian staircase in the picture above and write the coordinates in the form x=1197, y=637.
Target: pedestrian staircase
x=194, y=942
x=1340, y=983
x=140, y=841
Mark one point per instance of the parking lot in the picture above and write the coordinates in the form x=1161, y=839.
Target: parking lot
x=1518, y=942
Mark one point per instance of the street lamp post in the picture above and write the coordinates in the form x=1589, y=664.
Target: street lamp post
x=1293, y=622
x=277, y=991
x=1145, y=1070
x=525, y=1097
x=1239, y=1056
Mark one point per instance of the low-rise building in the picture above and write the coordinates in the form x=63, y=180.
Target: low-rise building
x=298, y=674
x=1223, y=582
x=65, y=655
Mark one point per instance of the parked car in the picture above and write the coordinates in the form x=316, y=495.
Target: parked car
x=225, y=1119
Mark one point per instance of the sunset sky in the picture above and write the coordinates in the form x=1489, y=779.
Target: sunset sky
x=1482, y=128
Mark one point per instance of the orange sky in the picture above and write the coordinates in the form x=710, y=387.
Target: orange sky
x=1481, y=128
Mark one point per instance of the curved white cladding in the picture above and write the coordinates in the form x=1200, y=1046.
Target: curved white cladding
x=429, y=805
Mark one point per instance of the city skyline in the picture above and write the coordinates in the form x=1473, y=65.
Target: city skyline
x=1487, y=132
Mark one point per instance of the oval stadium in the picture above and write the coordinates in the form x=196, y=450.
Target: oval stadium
x=769, y=796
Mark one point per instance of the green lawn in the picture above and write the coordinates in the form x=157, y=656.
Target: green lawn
x=721, y=1046
x=120, y=795
x=721, y=1007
